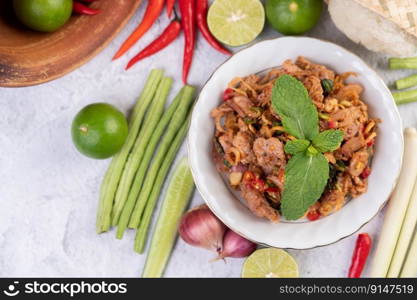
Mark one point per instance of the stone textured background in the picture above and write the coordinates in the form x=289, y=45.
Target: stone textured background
x=49, y=192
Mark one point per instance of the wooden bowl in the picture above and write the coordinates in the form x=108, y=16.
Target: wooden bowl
x=28, y=57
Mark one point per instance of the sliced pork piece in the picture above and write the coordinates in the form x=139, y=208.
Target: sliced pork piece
x=226, y=141
x=344, y=182
x=242, y=125
x=350, y=131
x=258, y=204
x=291, y=68
x=359, y=186
x=346, y=117
x=243, y=106
x=348, y=120
x=318, y=70
x=221, y=110
x=349, y=92
x=358, y=162
x=243, y=142
x=269, y=153
x=331, y=201
x=315, y=90
x=218, y=158
x=278, y=178
x=265, y=96
x=352, y=145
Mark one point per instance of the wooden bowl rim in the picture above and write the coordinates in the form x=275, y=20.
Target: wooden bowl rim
x=90, y=55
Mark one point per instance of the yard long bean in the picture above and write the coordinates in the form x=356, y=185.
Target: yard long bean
x=175, y=124
x=406, y=82
x=135, y=157
x=402, y=63
x=140, y=175
x=115, y=169
x=405, y=96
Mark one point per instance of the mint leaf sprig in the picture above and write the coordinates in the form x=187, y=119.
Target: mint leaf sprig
x=307, y=172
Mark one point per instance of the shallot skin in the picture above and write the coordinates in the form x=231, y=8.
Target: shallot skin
x=201, y=228
x=236, y=246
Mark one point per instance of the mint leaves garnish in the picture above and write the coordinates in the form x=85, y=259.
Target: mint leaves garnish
x=298, y=114
x=296, y=146
x=307, y=172
x=328, y=140
x=306, y=177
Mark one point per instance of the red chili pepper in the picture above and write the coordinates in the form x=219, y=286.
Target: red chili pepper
x=82, y=9
x=248, y=177
x=370, y=143
x=170, y=7
x=331, y=124
x=313, y=215
x=202, y=6
x=366, y=172
x=259, y=184
x=362, y=249
x=166, y=38
x=252, y=180
x=272, y=189
x=153, y=11
x=187, y=8
x=228, y=94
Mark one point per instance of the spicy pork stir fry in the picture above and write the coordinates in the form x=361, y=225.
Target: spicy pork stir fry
x=250, y=138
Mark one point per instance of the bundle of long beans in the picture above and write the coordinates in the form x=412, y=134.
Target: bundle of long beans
x=135, y=177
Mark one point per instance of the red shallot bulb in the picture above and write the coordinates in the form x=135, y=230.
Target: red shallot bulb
x=201, y=228
x=236, y=246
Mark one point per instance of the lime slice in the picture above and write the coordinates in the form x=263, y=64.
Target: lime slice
x=177, y=197
x=270, y=263
x=236, y=22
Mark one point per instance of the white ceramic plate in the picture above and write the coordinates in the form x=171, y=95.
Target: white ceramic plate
x=300, y=235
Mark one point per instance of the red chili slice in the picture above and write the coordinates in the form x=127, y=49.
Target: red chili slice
x=272, y=189
x=248, y=176
x=365, y=173
x=313, y=215
x=228, y=94
x=331, y=124
x=259, y=184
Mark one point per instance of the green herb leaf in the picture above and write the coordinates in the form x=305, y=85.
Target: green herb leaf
x=305, y=179
x=226, y=163
x=328, y=140
x=312, y=151
x=327, y=86
x=296, y=146
x=290, y=100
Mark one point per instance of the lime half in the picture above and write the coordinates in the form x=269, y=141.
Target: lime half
x=236, y=22
x=270, y=263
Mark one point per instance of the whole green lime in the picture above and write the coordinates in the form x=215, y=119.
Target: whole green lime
x=293, y=17
x=99, y=130
x=43, y=15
